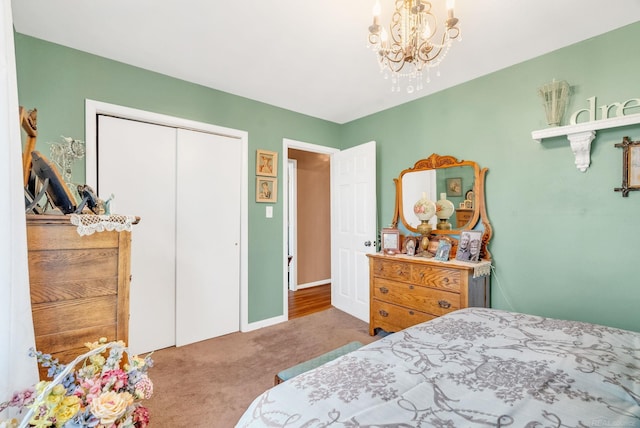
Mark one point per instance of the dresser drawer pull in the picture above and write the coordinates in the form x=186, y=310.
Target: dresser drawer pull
x=445, y=280
x=384, y=290
x=411, y=287
x=400, y=272
x=383, y=313
x=444, y=304
x=410, y=312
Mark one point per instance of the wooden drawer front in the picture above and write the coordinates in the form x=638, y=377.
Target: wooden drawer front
x=391, y=317
x=416, y=297
x=72, y=265
x=392, y=269
x=447, y=279
x=58, y=317
x=65, y=237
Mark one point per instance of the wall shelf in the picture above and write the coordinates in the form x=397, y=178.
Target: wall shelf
x=581, y=135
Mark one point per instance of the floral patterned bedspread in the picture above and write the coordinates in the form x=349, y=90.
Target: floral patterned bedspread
x=474, y=367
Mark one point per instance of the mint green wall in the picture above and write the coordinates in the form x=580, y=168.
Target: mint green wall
x=56, y=80
x=564, y=244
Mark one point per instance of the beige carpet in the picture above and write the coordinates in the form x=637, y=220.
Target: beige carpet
x=211, y=383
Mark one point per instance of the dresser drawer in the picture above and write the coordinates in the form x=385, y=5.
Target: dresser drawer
x=392, y=269
x=447, y=279
x=425, y=299
x=393, y=318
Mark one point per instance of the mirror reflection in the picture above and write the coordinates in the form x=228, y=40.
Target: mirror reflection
x=454, y=183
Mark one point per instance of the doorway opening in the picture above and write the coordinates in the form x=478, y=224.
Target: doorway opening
x=307, y=228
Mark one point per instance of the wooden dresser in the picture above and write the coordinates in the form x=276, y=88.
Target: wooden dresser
x=79, y=285
x=409, y=290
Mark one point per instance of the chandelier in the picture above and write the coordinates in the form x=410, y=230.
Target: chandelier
x=416, y=42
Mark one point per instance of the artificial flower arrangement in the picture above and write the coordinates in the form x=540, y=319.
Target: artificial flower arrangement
x=105, y=392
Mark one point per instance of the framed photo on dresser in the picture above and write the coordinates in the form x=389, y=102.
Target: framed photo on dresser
x=390, y=240
x=469, y=246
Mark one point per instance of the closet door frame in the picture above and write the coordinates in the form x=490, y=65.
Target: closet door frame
x=94, y=108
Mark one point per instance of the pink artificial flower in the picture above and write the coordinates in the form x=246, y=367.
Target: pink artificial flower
x=115, y=379
x=144, y=388
x=23, y=398
x=88, y=389
x=141, y=417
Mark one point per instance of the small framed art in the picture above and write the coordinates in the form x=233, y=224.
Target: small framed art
x=444, y=247
x=390, y=240
x=266, y=163
x=409, y=245
x=469, y=246
x=454, y=186
x=266, y=189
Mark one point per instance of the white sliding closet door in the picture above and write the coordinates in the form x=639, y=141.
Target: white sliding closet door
x=208, y=236
x=137, y=163
x=185, y=261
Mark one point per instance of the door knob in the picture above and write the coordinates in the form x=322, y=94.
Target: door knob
x=367, y=243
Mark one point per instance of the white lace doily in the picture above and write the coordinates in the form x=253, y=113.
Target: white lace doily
x=88, y=224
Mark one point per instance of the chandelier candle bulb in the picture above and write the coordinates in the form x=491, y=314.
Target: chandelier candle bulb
x=376, y=13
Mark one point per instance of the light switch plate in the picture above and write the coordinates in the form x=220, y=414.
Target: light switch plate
x=269, y=212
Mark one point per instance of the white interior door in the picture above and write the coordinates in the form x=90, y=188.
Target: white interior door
x=136, y=162
x=353, y=227
x=208, y=236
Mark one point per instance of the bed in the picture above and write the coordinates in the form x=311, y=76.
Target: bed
x=474, y=367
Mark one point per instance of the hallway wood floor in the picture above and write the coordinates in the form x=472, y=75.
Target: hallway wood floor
x=309, y=300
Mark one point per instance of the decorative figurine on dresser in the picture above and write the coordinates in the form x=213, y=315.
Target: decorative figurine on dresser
x=409, y=289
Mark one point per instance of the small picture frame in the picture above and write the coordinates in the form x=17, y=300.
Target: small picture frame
x=266, y=163
x=444, y=248
x=454, y=186
x=468, y=204
x=469, y=246
x=410, y=245
x=390, y=240
x=266, y=189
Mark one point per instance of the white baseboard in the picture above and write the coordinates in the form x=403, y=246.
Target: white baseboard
x=314, y=284
x=264, y=323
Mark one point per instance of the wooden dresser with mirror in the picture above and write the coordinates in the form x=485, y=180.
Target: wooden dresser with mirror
x=407, y=290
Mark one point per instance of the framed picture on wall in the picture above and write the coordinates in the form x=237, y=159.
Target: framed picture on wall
x=454, y=186
x=469, y=246
x=633, y=165
x=266, y=163
x=266, y=189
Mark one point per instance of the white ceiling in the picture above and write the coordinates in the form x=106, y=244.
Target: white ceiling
x=307, y=56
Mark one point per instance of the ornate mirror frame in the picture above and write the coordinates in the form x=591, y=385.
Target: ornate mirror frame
x=479, y=219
